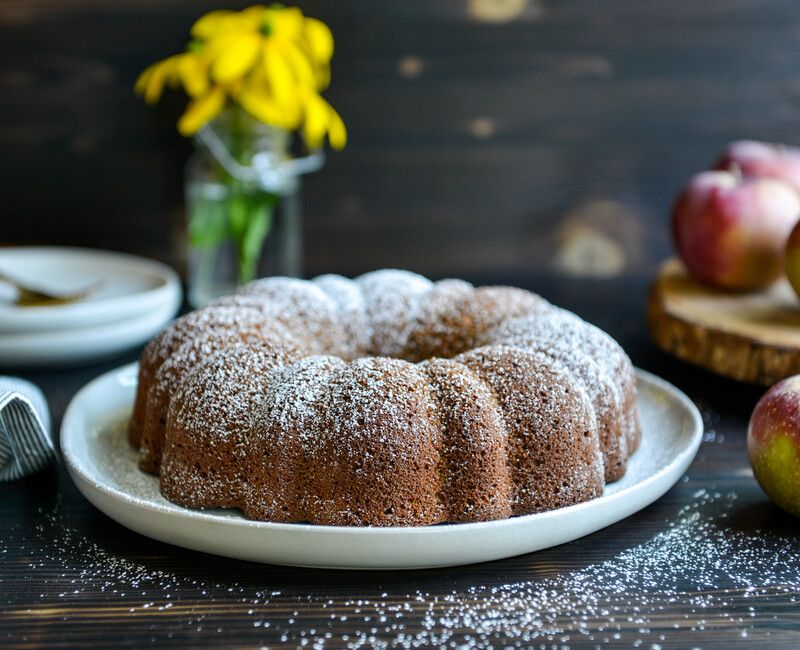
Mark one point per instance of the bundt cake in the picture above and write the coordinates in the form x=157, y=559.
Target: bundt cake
x=387, y=400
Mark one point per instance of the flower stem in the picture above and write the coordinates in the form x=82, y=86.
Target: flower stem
x=250, y=208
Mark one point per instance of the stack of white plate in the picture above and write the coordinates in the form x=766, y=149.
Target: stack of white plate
x=132, y=300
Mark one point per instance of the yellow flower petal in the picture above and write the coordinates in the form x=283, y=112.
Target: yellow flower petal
x=298, y=63
x=277, y=72
x=151, y=82
x=200, y=111
x=316, y=120
x=323, y=76
x=337, y=133
x=286, y=22
x=193, y=73
x=261, y=106
x=237, y=57
x=255, y=16
x=209, y=23
x=319, y=38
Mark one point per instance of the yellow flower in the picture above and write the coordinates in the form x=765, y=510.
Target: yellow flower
x=278, y=78
x=234, y=55
x=320, y=118
x=298, y=64
x=284, y=22
x=319, y=38
x=151, y=82
x=201, y=110
x=209, y=23
x=272, y=61
x=193, y=74
x=337, y=133
x=261, y=105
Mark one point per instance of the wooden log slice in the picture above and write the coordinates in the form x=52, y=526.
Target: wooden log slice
x=752, y=337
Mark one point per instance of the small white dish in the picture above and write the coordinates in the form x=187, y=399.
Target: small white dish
x=129, y=287
x=72, y=347
x=103, y=465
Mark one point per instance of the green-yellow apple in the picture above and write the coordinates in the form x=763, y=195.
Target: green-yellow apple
x=731, y=231
x=792, y=261
x=773, y=443
x=763, y=160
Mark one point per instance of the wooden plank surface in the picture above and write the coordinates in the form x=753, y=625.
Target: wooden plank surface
x=711, y=564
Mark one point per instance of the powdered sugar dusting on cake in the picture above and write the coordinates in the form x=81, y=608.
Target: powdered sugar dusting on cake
x=373, y=394
x=392, y=300
x=381, y=449
x=303, y=307
x=200, y=348
x=352, y=311
x=365, y=435
x=556, y=324
x=167, y=379
x=438, y=326
x=298, y=394
x=461, y=381
x=598, y=384
x=553, y=441
x=225, y=390
x=476, y=472
x=494, y=305
x=205, y=344
x=199, y=324
x=210, y=424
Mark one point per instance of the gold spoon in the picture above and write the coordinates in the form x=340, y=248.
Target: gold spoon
x=29, y=297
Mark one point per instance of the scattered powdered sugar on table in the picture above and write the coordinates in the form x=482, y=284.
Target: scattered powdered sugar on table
x=636, y=598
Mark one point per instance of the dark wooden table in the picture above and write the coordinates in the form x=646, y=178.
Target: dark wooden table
x=711, y=563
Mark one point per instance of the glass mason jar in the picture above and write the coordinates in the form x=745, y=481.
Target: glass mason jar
x=242, y=205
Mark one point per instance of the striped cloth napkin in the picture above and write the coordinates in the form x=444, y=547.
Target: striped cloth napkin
x=25, y=442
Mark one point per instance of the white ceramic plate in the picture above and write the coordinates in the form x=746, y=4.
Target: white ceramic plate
x=130, y=287
x=103, y=466
x=73, y=347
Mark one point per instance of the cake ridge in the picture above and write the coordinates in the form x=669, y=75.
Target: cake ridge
x=497, y=376
x=390, y=296
x=597, y=386
x=221, y=319
x=349, y=300
x=559, y=323
x=216, y=405
x=285, y=414
x=484, y=438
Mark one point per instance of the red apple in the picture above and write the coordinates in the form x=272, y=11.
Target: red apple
x=792, y=262
x=731, y=231
x=763, y=160
x=773, y=443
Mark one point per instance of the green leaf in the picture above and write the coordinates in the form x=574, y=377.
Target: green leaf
x=208, y=225
x=252, y=240
x=239, y=209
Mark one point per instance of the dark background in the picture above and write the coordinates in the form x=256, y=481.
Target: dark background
x=486, y=136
